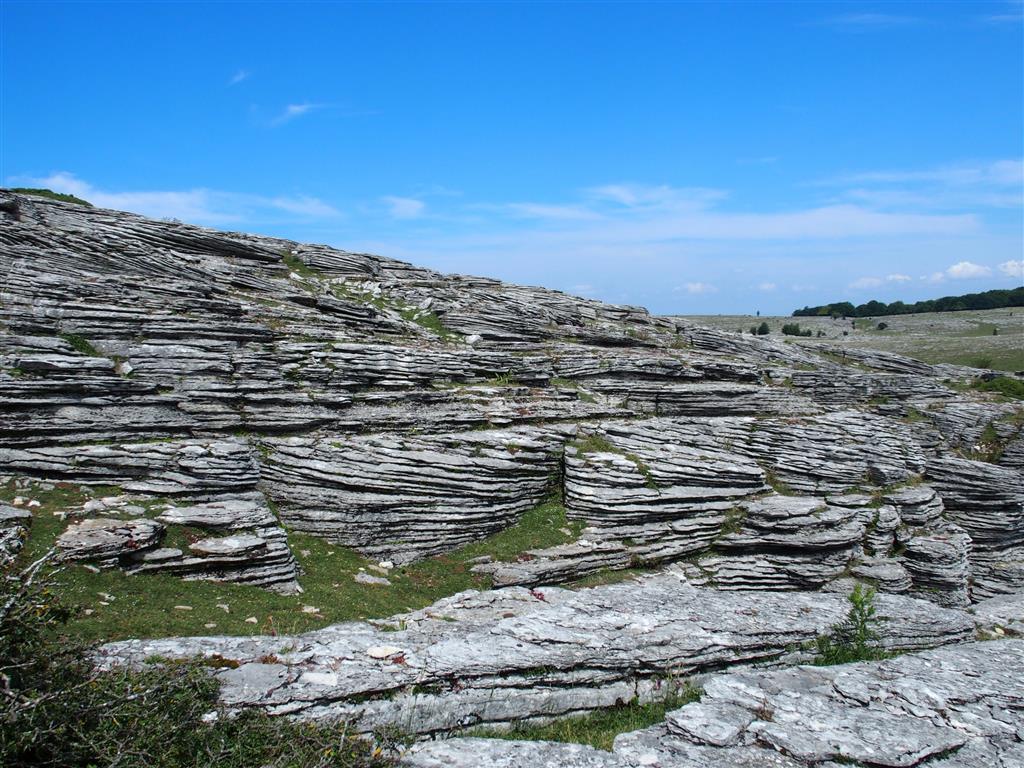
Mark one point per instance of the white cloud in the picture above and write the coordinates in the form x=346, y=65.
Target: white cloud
x=896, y=278
x=655, y=196
x=304, y=206
x=934, y=277
x=766, y=286
x=992, y=184
x=866, y=282
x=293, y=111
x=695, y=288
x=554, y=212
x=867, y=20
x=196, y=206
x=404, y=207
x=238, y=77
x=967, y=269
x=583, y=289
x=1013, y=268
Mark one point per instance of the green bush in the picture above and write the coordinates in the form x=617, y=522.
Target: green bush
x=1001, y=385
x=853, y=639
x=56, y=709
x=49, y=193
x=763, y=329
x=793, y=329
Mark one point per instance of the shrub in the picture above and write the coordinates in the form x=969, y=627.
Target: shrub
x=853, y=639
x=793, y=329
x=882, y=326
x=1001, y=385
x=49, y=193
x=56, y=709
x=763, y=329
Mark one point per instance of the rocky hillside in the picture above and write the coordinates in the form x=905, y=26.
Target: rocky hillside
x=234, y=388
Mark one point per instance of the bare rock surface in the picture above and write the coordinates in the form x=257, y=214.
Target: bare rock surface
x=244, y=383
x=517, y=654
x=952, y=707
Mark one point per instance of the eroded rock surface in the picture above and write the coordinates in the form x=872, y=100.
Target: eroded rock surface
x=516, y=654
x=257, y=382
x=952, y=707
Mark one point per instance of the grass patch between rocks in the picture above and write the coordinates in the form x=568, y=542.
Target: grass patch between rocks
x=599, y=728
x=111, y=605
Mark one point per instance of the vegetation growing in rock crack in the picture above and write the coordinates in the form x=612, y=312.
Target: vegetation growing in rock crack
x=599, y=728
x=56, y=709
x=855, y=638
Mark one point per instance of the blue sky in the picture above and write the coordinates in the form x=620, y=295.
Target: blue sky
x=689, y=157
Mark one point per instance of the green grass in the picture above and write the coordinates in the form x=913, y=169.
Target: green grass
x=143, y=606
x=600, y=728
x=49, y=193
x=600, y=444
x=1001, y=385
x=298, y=266
x=979, y=329
x=607, y=576
x=81, y=344
x=423, y=318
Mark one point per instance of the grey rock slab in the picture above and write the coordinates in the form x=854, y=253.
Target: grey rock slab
x=494, y=753
x=953, y=707
x=103, y=538
x=512, y=654
x=243, y=544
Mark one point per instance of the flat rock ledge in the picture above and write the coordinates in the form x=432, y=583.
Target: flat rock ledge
x=513, y=655
x=958, y=707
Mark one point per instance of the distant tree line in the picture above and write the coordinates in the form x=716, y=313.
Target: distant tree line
x=988, y=300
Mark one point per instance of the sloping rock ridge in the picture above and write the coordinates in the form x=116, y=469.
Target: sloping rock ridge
x=405, y=413
x=222, y=388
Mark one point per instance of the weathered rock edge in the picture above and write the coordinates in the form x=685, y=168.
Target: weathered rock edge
x=958, y=707
x=514, y=654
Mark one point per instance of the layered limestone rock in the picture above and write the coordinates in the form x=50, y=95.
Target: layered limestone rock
x=404, y=413
x=403, y=497
x=950, y=707
x=516, y=655
x=227, y=538
x=986, y=501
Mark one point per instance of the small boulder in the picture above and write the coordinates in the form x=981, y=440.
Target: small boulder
x=105, y=539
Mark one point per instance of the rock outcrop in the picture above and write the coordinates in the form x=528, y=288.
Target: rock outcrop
x=216, y=389
x=516, y=654
x=951, y=707
x=405, y=413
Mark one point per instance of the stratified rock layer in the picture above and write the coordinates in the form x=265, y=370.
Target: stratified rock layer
x=257, y=382
x=516, y=654
x=951, y=707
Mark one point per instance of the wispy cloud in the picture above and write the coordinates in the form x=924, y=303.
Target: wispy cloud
x=874, y=282
x=766, y=287
x=293, y=111
x=870, y=20
x=238, y=77
x=1013, y=14
x=404, y=207
x=990, y=184
x=549, y=212
x=196, y=206
x=696, y=288
x=866, y=282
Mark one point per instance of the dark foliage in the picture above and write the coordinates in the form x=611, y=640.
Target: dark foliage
x=56, y=709
x=988, y=300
